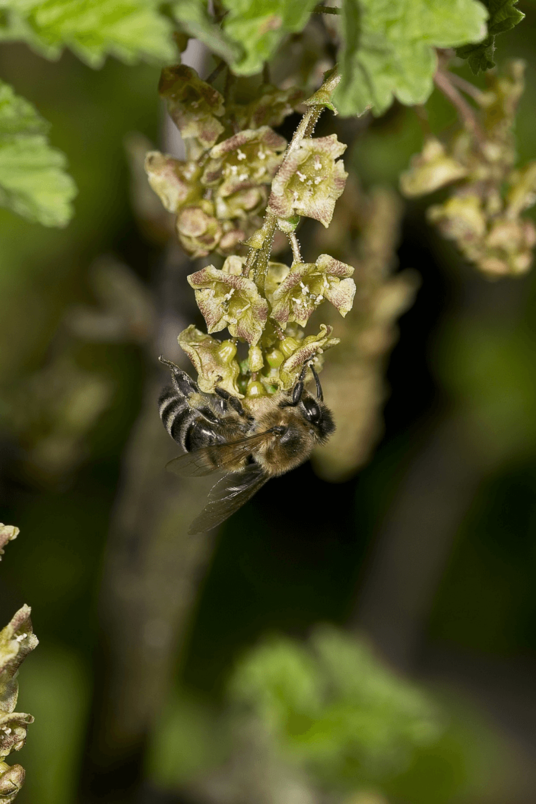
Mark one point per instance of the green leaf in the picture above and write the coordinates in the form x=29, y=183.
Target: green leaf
x=502, y=17
x=332, y=707
x=194, y=19
x=33, y=181
x=260, y=25
x=388, y=50
x=128, y=29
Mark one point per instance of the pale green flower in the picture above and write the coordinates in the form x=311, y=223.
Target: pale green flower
x=228, y=299
x=213, y=360
x=310, y=180
x=193, y=105
x=307, y=285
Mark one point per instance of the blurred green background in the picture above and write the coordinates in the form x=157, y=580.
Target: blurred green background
x=429, y=552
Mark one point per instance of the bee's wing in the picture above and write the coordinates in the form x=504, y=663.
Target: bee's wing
x=227, y=496
x=216, y=458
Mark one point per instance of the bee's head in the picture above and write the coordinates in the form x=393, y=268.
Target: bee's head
x=318, y=415
x=314, y=411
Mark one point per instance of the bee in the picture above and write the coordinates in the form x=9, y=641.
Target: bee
x=218, y=434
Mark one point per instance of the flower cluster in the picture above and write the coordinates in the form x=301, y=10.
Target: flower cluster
x=218, y=193
x=230, y=174
x=482, y=214
x=264, y=305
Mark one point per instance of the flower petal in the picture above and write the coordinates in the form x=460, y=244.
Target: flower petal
x=213, y=360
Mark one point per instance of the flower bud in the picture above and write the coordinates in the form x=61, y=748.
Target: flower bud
x=275, y=357
x=193, y=105
x=175, y=182
x=198, y=230
x=255, y=358
x=255, y=388
x=11, y=781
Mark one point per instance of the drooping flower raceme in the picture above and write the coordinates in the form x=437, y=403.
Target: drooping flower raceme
x=216, y=193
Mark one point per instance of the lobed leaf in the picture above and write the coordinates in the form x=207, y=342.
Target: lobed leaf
x=260, y=25
x=503, y=16
x=195, y=20
x=131, y=30
x=33, y=181
x=388, y=49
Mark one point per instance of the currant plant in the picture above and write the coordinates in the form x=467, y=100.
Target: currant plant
x=16, y=641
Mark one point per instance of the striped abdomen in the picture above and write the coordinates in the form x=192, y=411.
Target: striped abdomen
x=187, y=426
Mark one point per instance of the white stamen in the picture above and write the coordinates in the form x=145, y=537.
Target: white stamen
x=240, y=154
x=300, y=175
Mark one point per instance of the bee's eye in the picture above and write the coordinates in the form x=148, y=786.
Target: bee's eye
x=312, y=411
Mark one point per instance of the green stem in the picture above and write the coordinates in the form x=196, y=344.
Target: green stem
x=258, y=258
x=263, y=255
x=216, y=71
x=295, y=246
x=466, y=112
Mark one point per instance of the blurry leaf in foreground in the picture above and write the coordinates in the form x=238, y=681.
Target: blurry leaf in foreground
x=197, y=22
x=334, y=708
x=503, y=16
x=260, y=26
x=56, y=689
x=131, y=30
x=33, y=181
x=388, y=49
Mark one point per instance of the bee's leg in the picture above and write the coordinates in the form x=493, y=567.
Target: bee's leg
x=297, y=391
x=233, y=401
x=319, y=394
x=182, y=382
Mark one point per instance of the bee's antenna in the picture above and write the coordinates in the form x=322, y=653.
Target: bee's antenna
x=297, y=391
x=319, y=394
